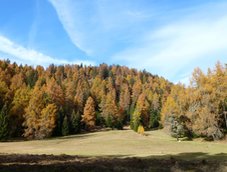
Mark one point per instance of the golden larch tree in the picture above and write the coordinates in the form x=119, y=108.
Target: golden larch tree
x=89, y=113
x=47, y=120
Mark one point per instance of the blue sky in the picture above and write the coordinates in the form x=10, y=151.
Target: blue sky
x=166, y=37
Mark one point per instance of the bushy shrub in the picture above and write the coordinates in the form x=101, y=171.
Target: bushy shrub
x=140, y=130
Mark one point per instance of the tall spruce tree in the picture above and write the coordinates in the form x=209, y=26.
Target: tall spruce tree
x=3, y=123
x=65, y=127
x=76, y=125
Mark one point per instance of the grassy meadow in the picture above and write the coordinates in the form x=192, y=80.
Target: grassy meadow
x=124, y=143
x=115, y=150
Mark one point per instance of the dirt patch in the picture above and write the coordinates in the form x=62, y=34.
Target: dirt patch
x=66, y=163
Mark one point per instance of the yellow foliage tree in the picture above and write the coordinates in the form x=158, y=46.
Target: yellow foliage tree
x=89, y=113
x=47, y=121
x=140, y=130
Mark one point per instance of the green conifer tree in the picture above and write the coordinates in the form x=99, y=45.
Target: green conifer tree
x=76, y=118
x=65, y=127
x=3, y=123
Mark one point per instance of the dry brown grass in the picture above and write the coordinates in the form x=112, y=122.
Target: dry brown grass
x=125, y=143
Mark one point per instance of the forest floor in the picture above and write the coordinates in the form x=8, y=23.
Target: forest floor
x=115, y=150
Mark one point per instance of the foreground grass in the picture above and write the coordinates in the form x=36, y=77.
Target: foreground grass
x=67, y=163
x=125, y=143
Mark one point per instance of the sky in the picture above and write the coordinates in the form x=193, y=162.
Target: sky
x=165, y=37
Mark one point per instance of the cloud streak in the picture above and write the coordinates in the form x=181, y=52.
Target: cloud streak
x=30, y=56
x=96, y=27
x=65, y=13
x=179, y=46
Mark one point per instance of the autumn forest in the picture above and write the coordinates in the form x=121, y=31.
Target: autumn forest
x=38, y=102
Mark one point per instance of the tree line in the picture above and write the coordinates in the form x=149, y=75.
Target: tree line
x=38, y=102
x=200, y=110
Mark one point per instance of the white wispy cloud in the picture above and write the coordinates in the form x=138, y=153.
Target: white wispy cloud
x=29, y=56
x=179, y=46
x=65, y=10
x=172, y=47
x=96, y=27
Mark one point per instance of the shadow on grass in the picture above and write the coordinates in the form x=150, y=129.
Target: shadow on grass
x=197, y=161
x=201, y=155
x=84, y=134
x=75, y=136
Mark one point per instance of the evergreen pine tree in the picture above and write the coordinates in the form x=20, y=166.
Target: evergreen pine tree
x=65, y=127
x=154, y=119
x=76, y=118
x=59, y=122
x=3, y=123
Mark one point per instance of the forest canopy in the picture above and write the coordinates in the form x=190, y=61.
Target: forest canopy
x=38, y=102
